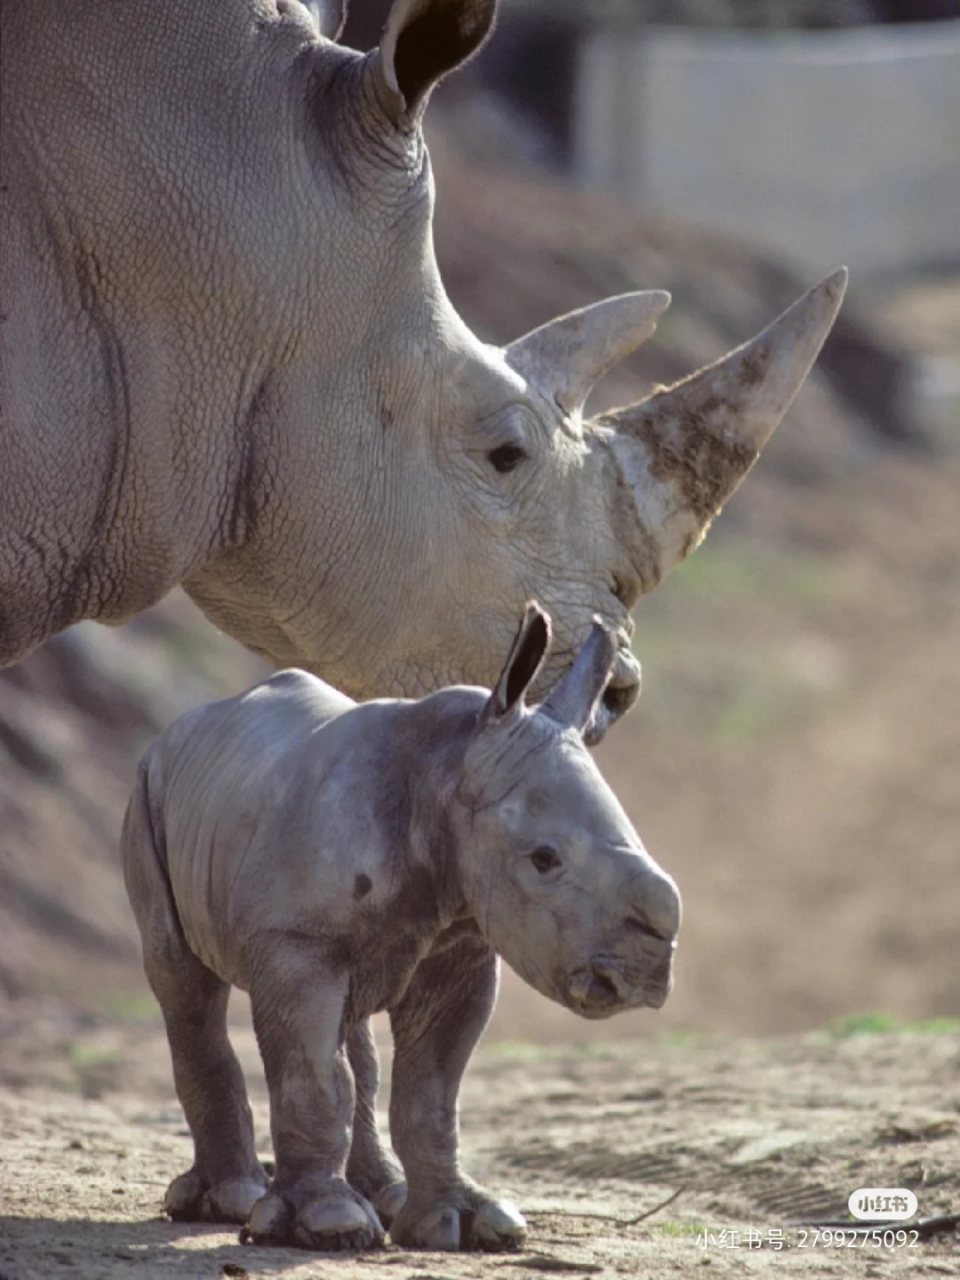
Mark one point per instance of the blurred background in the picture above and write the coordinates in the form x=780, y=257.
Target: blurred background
x=794, y=760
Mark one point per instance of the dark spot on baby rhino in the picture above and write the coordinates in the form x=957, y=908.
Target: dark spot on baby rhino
x=362, y=886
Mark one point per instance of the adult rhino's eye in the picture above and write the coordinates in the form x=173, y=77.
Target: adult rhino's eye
x=545, y=859
x=506, y=456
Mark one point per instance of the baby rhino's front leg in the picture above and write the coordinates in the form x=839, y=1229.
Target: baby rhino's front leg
x=436, y=1028
x=298, y=1005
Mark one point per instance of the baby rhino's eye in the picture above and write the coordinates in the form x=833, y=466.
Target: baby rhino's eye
x=545, y=859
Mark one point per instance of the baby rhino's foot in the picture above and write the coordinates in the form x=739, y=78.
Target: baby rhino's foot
x=388, y=1201
x=465, y=1218
x=194, y=1198
x=330, y=1218
x=384, y=1187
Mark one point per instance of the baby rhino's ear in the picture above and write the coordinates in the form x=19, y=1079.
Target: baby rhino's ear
x=526, y=655
x=574, y=697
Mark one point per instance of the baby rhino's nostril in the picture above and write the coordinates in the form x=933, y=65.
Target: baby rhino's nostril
x=604, y=988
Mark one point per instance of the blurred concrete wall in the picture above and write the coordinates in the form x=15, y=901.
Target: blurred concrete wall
x=833, y=145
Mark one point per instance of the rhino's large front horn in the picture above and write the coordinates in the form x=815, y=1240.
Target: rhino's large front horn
x=686, y=448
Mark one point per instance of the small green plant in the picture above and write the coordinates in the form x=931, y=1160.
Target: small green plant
x=130, y=1006
x=86, y=1056
x=95, y=1067
x=679, y=1228
x=872, y=1024
x=753, y=712
x=533, y=1051
x=726, y=569
x=684, y=1039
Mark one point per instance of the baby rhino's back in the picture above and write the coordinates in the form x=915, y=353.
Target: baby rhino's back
x=235, y=788
x=250, y=734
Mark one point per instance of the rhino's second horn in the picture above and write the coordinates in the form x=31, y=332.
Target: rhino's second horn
x=567, y=357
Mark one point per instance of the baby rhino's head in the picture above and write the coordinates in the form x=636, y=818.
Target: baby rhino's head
x=554, y=871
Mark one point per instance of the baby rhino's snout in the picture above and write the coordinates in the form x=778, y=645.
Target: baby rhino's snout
x=637, y=969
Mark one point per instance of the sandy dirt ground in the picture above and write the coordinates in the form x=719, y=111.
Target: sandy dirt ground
x=747, y=1140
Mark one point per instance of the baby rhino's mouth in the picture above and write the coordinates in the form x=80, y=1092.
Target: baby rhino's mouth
x=601, y=988
x=597, y=991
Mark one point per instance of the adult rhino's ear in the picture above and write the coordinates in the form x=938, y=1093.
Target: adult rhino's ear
x=574, y=698
x=521, y=667
x=424, y=39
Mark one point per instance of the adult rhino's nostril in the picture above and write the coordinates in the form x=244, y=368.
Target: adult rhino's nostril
x=619, y=698
x=623, y=688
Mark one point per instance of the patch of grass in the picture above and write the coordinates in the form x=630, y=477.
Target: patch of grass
x=683, y=1039
x=710, y=672
x=735, y=570
x=735, y=697
x=85, y=1056
x=515, y=1050
x=531, y=1051
x=753, y=712
x=95, y=1067
x=872, y=1024
x=130, y=1006
x=679, y=1228
x=934, y=1026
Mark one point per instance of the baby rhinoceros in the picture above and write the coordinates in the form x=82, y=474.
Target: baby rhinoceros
x=335, y=859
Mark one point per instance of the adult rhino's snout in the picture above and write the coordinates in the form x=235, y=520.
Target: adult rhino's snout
x=621, y=692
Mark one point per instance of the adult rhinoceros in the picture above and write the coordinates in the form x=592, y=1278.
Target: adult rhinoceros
x=228, y=361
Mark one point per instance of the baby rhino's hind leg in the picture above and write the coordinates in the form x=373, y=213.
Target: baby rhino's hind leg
x=227, y=1178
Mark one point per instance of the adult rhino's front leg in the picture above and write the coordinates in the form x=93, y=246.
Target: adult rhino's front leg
x=298, y=1006
x=436, y=1028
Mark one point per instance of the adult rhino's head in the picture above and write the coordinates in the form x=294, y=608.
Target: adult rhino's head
x=417, y=485
x=553, y=869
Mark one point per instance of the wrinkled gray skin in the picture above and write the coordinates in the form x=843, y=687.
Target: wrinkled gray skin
x=334, y=860
x=227, y=360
